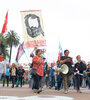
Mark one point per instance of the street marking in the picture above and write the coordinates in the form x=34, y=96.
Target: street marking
x=36, y=97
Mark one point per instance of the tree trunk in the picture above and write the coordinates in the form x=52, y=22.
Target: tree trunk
x=10, y=53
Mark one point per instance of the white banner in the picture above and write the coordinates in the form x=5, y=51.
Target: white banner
x=33, y=28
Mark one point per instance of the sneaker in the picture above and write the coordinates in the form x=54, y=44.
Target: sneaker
x=50, y=87
x=56, y=88
x=12, y=86
x=39, y=91
x=65, y=91
x=89, y=88
x=42, y=89
x=30, y=86
x=79, y=91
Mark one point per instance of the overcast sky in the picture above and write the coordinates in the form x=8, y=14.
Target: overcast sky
x=67, y=21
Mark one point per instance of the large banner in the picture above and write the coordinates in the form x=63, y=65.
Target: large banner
x=33, y=28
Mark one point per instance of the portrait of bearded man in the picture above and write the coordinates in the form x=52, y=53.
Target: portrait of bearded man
x=33, y=26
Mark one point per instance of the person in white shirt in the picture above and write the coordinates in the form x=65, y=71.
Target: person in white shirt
x=2, y=67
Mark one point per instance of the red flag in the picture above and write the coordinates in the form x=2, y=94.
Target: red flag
x=54, y=63
x=59, y=55
x=5, y=24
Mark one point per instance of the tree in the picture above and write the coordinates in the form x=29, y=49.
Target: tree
x=3, y=46
x=12, y=40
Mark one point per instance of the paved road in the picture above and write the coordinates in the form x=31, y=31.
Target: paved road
x=46, y=93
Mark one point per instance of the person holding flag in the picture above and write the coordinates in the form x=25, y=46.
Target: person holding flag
x=59, y=75
x=37, y=70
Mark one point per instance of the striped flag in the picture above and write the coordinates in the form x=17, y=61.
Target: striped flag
x=4, y=29
x=20, y=52
x=60, y=51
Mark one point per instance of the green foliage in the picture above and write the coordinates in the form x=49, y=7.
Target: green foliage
x=12, y=39
x=3, y=39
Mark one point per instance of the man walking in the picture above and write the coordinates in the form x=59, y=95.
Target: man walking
x=67, y=77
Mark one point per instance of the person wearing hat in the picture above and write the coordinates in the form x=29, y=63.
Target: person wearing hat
x=88, y=75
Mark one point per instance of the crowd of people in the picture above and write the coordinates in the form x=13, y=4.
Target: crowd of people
x=41, y=74
x=12, y=73
x=78, y=74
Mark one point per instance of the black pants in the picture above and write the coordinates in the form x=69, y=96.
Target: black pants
x=20, y=81
x=47, y=81
x=36, y=81
x=59, y=80
x=7, y=78
x=77, y=81
x=81, y=78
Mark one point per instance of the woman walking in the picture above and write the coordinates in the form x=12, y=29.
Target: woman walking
x=37, y=70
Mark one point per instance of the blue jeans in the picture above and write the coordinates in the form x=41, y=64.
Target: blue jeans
x=56, y=80
x=51, y=81
x=30, y=81
x=13, y=80
x=74, y=81
x=88, y=81
x=22, y=80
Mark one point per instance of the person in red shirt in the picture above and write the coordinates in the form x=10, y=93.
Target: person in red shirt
x=38, y=65
x=1, y=57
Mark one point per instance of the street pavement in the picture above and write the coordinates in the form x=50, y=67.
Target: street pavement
x=25, y=93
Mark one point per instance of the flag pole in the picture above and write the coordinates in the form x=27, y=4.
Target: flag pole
x=27, y=58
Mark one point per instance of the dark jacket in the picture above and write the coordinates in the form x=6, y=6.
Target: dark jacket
x=80, y=66
x=15, y=71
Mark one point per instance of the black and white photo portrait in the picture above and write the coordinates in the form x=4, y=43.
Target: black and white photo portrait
x=33, y=26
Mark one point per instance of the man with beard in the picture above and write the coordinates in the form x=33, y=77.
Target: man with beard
x=33, y=25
